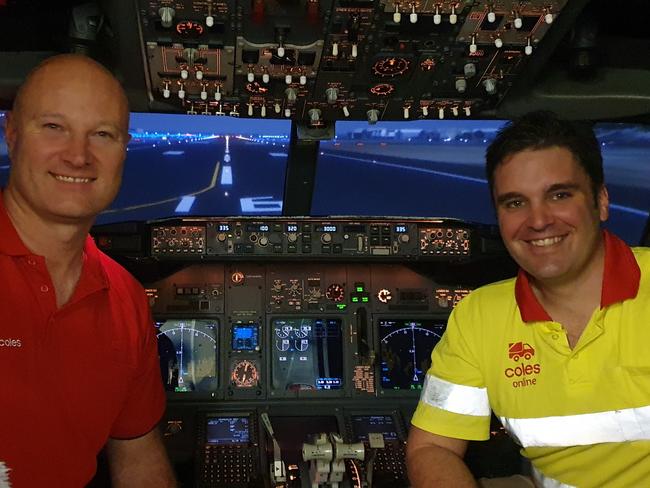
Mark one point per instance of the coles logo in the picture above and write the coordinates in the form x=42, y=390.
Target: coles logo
x=524, y=373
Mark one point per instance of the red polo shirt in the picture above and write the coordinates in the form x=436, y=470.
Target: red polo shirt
x=72, y=376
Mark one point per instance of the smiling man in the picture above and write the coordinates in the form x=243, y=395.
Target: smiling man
x=78, y=349
x=558, y=353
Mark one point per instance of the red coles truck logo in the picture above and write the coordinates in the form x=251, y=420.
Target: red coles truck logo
x=524, y=374
x=517, y=350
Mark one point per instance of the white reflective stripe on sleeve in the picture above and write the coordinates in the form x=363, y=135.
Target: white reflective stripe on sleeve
x=546, y=482
x=631, y=424
x=466, y=400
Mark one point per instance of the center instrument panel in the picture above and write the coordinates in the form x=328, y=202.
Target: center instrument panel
x=324, y=60
x=280, y=333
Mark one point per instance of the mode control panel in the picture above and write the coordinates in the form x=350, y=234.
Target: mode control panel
x=311, y=238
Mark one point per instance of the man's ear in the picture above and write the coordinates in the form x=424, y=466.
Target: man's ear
x=603, y=203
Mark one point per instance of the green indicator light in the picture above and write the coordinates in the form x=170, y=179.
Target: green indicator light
x=355, y=299
x=364, y=299
x=341, y=306
x=359, y=289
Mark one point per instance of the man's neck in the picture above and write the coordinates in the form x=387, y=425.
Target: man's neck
x=572, y=303
x=60, y=243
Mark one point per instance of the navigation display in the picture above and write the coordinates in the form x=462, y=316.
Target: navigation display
x=227, y=430
x=405, y=349
x=362, y=425
x=188, y=354
x=245, y=337
x=307, y=354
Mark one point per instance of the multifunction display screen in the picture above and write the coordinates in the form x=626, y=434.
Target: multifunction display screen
x=227, y=430
x=362, y=425
x=188, y=354
x=307, y=354
x=405, y=348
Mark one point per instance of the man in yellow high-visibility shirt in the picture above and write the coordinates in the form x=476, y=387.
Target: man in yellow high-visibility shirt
x=559, y=353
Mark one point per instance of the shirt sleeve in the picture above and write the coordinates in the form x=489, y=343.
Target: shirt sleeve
x=145, y=401
x=454, y=400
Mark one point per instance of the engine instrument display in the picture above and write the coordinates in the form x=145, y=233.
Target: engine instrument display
x=188, y=354
x=307, y=354
x=405, y=348
x=227, y=430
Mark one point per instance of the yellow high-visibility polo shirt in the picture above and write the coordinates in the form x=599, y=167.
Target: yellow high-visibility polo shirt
x=582, y=415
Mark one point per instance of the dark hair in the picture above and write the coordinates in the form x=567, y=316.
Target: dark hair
x=541, y=130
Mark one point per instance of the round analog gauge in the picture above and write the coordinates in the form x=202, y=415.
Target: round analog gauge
x=256, y=88
x=189, y=28
x=390, y=67
x=427, y=65
x=244, y=374
x=382, y=89
x=384, y=295
x=335, y=292
x=284, y=331
x=302, y=331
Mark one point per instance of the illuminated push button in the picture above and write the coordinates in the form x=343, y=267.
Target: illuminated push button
x=250, y=77
x=266, y=78
x=288, y=80
x=199, y=74
x=303, y=80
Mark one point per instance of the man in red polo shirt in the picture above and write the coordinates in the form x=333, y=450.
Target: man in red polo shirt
x=77, y=345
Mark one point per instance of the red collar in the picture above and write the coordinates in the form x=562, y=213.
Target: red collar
x=94, y=275
x=10, y=242
x=620, y=281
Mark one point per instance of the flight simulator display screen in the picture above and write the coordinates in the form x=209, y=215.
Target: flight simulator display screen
x=307, y=354
x=362, y=425
x=405, y=348
x=227, y=430
x=188, y=354
x=245, y=337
